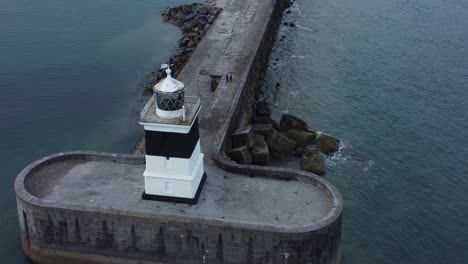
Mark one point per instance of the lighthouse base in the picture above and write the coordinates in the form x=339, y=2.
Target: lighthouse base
x=173, y=199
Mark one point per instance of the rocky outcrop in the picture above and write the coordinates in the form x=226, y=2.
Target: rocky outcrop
x=298, y=151
x=260, y=153
x=288, y=122
x=240, y=155
x=311, y=161
x=262, y=129
x=243, y=137
x=279, y=142
x=301, y=137
x=265, y=139
x=194, y=21
x=328, y=144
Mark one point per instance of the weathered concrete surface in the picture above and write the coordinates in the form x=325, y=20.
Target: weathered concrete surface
x=88, y=205
x=64, y=215
x=226, y=197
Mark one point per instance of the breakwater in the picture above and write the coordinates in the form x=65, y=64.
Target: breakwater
x=85, y=206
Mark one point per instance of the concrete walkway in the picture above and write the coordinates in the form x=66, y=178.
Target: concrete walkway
x=227, y=48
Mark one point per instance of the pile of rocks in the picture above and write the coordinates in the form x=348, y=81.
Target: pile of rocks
x=265, y=139
x=194, y=20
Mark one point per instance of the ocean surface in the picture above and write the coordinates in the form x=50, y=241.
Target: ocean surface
x=390, y=79
x=71, y=73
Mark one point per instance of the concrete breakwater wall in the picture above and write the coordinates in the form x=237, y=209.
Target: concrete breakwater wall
x=90, y=227
x=240, y=113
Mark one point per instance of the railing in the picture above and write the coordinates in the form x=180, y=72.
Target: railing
x=170, y=101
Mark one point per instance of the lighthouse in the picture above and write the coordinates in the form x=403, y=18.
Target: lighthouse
x=174, y=162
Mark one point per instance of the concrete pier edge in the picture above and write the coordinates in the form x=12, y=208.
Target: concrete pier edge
x=23, y=194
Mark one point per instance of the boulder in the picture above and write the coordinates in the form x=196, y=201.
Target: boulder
x=311, y=161
x=166, y=11
x=202, y=21
x=184, y=41
x=327, y=144
x=291, y=122
x=302, y=138
x=262, y=129
x=190, y=17
x=191, y=44
x=202, y=11
x=243, y=137
x=179, y=23
x=240, y=155
x=279, y=142
x=192, y=35
x=299, y=151
x=260, y=153
x=275, y=124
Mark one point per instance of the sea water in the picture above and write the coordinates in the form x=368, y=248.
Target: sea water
x=390, y=79
x=71, y=74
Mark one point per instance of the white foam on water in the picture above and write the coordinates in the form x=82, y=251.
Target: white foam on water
x=297, y=56
x=370, y=164
x=294, y=93
x=306, y=28
x=296, y=7
x=339, y=156
x=343, y=157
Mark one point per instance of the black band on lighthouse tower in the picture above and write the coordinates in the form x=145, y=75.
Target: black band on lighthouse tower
x=174, y=145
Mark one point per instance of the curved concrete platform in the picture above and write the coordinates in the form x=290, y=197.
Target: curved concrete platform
x=87, y=202
x=98, y=182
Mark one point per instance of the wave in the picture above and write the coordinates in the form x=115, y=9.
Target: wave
x=294, y=93
x=342, y=157
x=369, y=165
x=297, y=56
x=338, y=156
x=307, y=28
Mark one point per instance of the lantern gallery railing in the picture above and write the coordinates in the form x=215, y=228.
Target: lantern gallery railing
x=169, y=101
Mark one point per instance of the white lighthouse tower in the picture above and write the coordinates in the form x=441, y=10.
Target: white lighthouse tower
x=174, y=163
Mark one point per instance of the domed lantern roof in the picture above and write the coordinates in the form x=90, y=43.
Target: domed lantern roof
x=169, y=84
x=169, y=97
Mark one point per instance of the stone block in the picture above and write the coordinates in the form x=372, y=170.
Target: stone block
x=240, y=155
x=279, y=142
x=311, y=161
x=243, y=137
x=260, y=153
x=302, y=138
x=291, y=122
x=262, y=129
x=328, y=144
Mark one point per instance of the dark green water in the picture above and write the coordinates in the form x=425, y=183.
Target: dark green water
x=69, y=80
x=389, y=78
